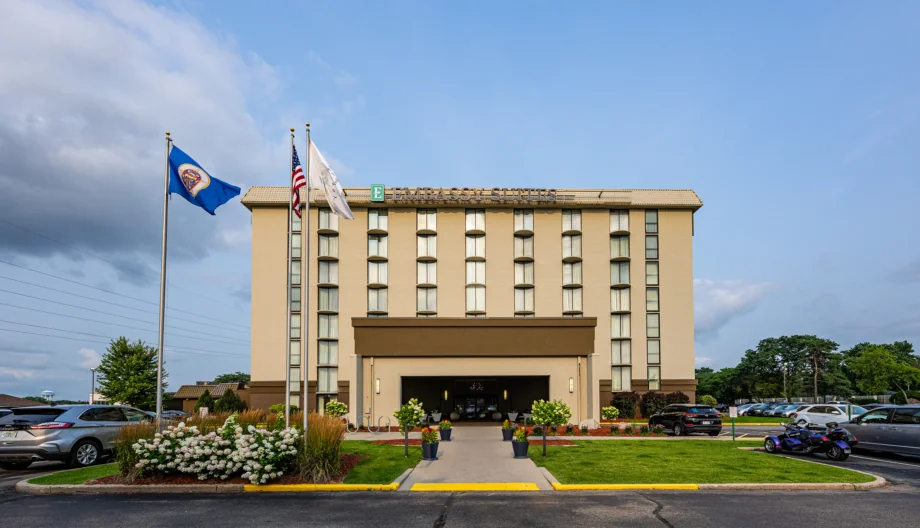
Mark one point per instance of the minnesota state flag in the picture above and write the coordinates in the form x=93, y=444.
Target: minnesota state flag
x=189, y=180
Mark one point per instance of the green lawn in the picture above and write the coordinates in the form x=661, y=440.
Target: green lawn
x=76, y=476
x=384, y=463
x=679, y=462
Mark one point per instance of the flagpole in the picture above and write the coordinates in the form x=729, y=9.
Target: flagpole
x=287, y=337
x=306, y=311
x=162, y=328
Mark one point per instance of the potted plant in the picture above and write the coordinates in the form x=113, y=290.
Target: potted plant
x=520, y=443
x=444, y=430
x=429, y=444
x=507, y=430
x=512, y=415
x=456, y=414
x=496, y=416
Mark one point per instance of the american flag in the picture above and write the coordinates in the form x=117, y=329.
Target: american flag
x=297, y=181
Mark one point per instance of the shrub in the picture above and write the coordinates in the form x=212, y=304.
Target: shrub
x=898, y=398
x=205, y=400
x=626, y=403
x=614, y=430
x=507, y=424
x=569, y=428
x=125, y=455
x=521, y=434
x=537, y=430
x=410, y=414
x=707, y=400
x=863, y=401
x=584, y=429
x=644, y=430
x=278, y=408
x=554, y=413
x=336, y=409
x=610, y=413
x=628, y=429
x=429, y=436
x=228, y=402
x=320, y=457
x=651, y=402
x=676, y=397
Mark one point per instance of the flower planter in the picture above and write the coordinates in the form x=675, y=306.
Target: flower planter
x=520, y=449
x=445, y=434
x=496, y=416
x=513, y=416
x=507, y=434
x=429, y=451
x=436, y=416
x=454, y=416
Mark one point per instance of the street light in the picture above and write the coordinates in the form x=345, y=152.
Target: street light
x=92, y=393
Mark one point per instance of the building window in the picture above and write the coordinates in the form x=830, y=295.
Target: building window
x=651, y=246
x=651, y=299
x=295, y=376
x=376, y=316
x=523, y=272
x=327, y=379
x=377, y=219
x=427, y=219
x=295, y=271
x=295, y=299
x=651, y=273
x=621, y=379
x=654, y=378
x=571, y=246
x=523, y=219
x=427, y=300
x=296, y=245
x=571, y=220
x=427, y=246
x=376, y=272
x=328, y=353
x=476, y=272
x=475, y=315
x=654, y=351
x=475, y=246
x=619, y=220
x=652, y=325
x=294, y=352
x=377, y=246
x=328, y=326
x=328, y=220
x=651, y=221
x=328, y=246
x=328, y=272
x=619, y=246
x=426, y=315
x=620, y=352
x=329, y=299
x=619, y=273
x=295, y=326
x=296, y=223
x=571, y=272
x=619, y=325
x=475, y=219
x=523, y=299
x=427, y=272
x=475, y=298
x=619, y=300
x=523, y=246
x=572, y=300
x=377, y=300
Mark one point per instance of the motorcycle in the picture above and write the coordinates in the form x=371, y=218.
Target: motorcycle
x=830, y=440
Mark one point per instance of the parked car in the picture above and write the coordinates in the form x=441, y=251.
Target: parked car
x=786, y=410
x=80, y=435
x=742, y=409
x=760, y=410
x=4, y=412
x=175, y=415
x=687, y=418
x=870, y=406
x=818, y=415
x=854, y=410
x=894, y=429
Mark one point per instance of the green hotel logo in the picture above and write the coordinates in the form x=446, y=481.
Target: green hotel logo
x=377, y=194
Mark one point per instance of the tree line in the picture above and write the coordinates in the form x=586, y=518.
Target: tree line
x=806, y=365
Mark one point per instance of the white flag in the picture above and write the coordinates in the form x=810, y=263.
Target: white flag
x=322, y=176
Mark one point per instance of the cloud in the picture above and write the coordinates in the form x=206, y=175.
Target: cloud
x=703, y=361
x=716, y=303
x=17, y=374
x=91, y=358
x=907, y=273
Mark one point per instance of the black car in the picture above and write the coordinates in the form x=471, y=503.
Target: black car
x=758, y=411
x=686, y=418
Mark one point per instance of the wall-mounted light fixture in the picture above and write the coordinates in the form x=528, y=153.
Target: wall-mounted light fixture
x=377, y=385
x=571, y=384
x=505, y=394
x=445, y=395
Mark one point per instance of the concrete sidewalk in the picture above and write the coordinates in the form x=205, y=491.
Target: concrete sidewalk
x=476, y=454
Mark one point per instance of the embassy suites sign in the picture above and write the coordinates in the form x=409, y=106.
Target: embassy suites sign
x=498, y=195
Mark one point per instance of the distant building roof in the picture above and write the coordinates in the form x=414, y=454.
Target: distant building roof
x=193, y=392
x=12, y=401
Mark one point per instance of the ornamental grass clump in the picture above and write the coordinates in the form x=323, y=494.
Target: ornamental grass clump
x=320, y=458
x=125, y=455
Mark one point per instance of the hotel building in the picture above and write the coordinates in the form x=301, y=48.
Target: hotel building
x=475, y=301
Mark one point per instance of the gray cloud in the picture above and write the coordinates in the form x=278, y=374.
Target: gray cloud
x=716, y=303
x=907, y=273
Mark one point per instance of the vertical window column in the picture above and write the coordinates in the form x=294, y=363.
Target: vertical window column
x=327, y=310
x=652, y=304
x=572, y=292
x=377, y=263
x=620, y=315
x=523, y=263
x=294, y=339
x=426, y=289
x=475, y=262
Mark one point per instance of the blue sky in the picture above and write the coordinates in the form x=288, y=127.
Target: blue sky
x=798, y=125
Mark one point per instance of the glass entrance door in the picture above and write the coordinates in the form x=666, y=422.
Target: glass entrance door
x=479, y=407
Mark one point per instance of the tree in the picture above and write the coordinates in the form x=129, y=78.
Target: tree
x=205, y=400
x=819, y=353
x=877, y=369
x=236, y=377
x=228, y=402
x=128, y=374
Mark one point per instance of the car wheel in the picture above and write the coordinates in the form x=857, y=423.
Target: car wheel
x=835, y=453
x=85, y=453
x=679, y=430
x=802, y=423
x=14, y=466
x=769, y=446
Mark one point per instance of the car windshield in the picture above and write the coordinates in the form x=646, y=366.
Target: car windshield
x=28, y=416
x=702, y=410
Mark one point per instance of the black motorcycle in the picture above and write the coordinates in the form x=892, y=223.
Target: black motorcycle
x=831, y=441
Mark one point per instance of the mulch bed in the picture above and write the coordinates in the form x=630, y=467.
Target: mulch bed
x=412, y=442
x=348, y=461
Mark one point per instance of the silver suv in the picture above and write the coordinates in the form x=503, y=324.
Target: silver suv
x=80, y=435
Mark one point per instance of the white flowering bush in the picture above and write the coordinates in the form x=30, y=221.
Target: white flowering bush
x=555, y=412
x=257, y=455
x=410, y=414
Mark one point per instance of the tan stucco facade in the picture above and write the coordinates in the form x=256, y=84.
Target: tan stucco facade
x=359, y=369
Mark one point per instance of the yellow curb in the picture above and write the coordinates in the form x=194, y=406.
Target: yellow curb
x=475, y=486
x=320, y=487
x=580, y=487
